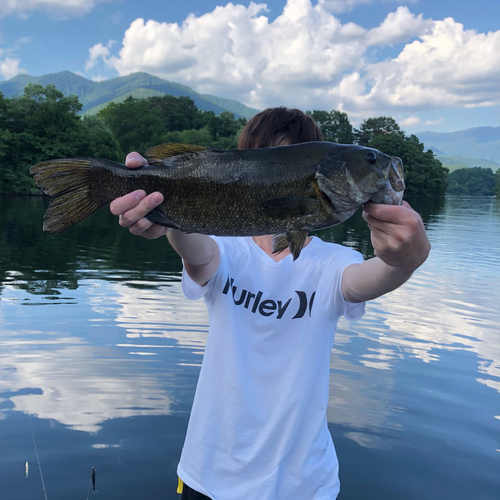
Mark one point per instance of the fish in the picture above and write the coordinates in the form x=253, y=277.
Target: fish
x=26, y=469
x=285, y=191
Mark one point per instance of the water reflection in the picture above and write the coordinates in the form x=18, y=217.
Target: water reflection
x=120, y=342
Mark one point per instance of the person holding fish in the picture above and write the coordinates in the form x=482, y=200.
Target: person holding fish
x=258, y=427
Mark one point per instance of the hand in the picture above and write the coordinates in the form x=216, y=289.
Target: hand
x=398, y=235
x=132, y=207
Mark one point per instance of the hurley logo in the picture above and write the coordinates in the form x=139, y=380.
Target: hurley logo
x=268, y=307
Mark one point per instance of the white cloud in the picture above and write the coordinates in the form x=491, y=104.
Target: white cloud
x=307, y=58
x=9, y=68
x=57, y=8
x=399, y=26
x=338, y=6
x=96, y=52
x=449, y=66
x=439, y=121
x=410, y=121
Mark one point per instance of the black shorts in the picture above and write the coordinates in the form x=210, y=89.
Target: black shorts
x=190, y=494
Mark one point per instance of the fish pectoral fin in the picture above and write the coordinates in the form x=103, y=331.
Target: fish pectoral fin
x=156, y=217
x=292, y=239
x=285, y=207
x=158, y=153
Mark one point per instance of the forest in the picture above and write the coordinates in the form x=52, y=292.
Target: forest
x=44, y=124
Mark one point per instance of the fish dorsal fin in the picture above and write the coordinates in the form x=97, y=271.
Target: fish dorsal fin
x=166, y=150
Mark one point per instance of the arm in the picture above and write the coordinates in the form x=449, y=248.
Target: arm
x=401, y=246
x=200, y=252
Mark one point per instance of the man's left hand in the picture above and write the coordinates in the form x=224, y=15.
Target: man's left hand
x=398, y=235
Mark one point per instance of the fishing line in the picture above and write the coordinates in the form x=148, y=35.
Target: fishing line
x=37, y=459
x=91, y=481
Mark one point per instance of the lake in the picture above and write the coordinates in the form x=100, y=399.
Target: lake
x=100, y=354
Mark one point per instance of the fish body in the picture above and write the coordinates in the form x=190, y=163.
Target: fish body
x=286, y=190
x=26, y=469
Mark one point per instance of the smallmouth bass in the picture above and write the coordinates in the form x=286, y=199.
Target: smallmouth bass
x=286, y=191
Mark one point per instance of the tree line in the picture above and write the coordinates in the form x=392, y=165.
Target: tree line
x=44, y=124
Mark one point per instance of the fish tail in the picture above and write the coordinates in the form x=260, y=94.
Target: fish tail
x=68, y=182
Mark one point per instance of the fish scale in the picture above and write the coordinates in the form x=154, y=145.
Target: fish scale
x=285, y=190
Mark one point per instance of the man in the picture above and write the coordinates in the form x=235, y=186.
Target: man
x=258, y=428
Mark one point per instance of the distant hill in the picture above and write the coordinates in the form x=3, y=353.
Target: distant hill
x=456, y=162
x=96, y=95
x=480, y=143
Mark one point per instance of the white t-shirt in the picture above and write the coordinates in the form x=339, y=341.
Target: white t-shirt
x=258, y=428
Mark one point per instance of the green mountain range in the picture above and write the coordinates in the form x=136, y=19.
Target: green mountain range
x=473, y=147
x=96, y=95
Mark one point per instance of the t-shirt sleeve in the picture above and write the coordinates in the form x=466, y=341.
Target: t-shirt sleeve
x=332, y=300
x=191, y=289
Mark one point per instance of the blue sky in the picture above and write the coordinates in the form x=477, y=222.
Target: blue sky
x=432, y=65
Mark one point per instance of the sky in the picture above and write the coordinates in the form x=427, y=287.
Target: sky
x=430, y=64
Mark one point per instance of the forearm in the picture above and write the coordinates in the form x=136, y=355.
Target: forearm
x=371, y=279
x=199, y=252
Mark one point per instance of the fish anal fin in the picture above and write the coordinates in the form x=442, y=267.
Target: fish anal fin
x=280, y=243
x=294, y=240
x=156, y=216
x=285, y=207
x=158, y=153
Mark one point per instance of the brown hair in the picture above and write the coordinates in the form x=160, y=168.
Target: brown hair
x=278, y=127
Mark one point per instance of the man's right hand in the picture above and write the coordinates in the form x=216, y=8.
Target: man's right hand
x=133, y=207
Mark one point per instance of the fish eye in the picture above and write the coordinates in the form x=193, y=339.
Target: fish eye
x=371, y=157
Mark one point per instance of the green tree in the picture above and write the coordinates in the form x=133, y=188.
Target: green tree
x=497, y=182
x=374, y=127
x=334, y=126
x=222, y=126
x=424, y=174
x=4, y=133
x=177, y=113
x=98, y=140
x=136, y=124
x=201, y=137
x=474, y=181
x=43, y=124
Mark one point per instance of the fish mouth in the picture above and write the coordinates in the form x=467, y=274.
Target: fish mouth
x=392, y=192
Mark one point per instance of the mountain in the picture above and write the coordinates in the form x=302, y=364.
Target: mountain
x=480, y=143
x=456, y=162
x=96, y=95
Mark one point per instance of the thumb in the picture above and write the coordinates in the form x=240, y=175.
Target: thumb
x=404, y=204
x=135, y=160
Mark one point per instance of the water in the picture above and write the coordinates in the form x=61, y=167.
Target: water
x=99, y=347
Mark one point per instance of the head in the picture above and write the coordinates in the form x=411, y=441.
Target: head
x=279, y=127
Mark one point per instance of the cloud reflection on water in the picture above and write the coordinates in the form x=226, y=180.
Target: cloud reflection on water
x=115, y=354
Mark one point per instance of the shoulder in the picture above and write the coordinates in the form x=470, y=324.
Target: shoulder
x=327, y=252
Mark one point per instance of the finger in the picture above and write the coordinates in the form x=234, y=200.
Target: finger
x=407, y=205
x=379, y=239
x=135, y=160
x=147, y=229
x=155, y=231
x=130, y=200
x=378, y=224
x=395, y=214
x=131, y=216
x=138, y=226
